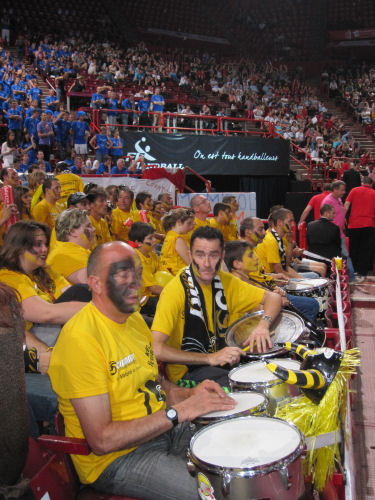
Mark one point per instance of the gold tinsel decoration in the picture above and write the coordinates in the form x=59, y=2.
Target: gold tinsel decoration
x=312, y=420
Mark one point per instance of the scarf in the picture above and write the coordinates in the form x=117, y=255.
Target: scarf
x=196, y=336
x=280, y=244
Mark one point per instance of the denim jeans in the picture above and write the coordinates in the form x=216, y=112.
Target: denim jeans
x=42, y=401
x=308, y=306
x=345, y=253
x=156, y=470
x=309, y=274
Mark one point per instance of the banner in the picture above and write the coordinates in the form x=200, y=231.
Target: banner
x=152, y=186
x=211, y=155
x=246, y=201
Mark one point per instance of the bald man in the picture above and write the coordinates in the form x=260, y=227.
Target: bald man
x=105, y=374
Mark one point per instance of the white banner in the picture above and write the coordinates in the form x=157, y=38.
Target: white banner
x=246, y=201
x=152, y=186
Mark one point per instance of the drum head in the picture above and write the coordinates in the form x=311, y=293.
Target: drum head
x=308, y=285
x=247, y=443
x=288, y=327
x=246, y=402
x=257, y=373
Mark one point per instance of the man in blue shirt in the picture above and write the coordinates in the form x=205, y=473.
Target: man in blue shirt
x=62, y=128
x=157, y=101
x=120, y=167
x=18, y=90
x=80, y=131
x=78, y=168
x=52, y=101
x=129, y=111
x=143, y=107
x=112, y=103
x=15, y=119
x=31, y=123
x=105, y=168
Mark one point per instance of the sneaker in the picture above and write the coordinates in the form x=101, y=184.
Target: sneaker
x=357, y=280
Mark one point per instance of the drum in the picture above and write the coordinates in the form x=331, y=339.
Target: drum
x=315, y=288
x=287, y=327
x=248, y=457
x=248, y=403
x=255, y=376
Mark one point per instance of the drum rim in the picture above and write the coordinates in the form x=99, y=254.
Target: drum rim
x=221, y=470
x=271, y=353
x=309, y=288
x=203, y=420
x=256, y=385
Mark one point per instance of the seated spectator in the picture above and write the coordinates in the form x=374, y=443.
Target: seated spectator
x=78, y=200
x=221, y=220
x=43, y=164
x=75, y=236
x=105, y=167
x=112, y=194
x=97, y=199
x=124, y=215
x=78, y=167
x=201, y=207
x=155, y=219
x=69, y=182
x=175, y=251
x=120, y=167
x=28, y=145
x=137, y=165
x=47, y=210
x=143, y=202
x=9, y=149
x=323, y=236
x=22, y=200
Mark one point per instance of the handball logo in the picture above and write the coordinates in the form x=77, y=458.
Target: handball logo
x=143, y=150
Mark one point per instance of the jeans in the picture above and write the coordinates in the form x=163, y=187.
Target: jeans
x=349, y=264
x=308, y=306
x=309, y=275
x=42, y=401
x=156, y=470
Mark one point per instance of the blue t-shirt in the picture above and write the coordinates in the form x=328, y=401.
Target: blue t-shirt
x=143, y=105
x=30, y=125
x=14, y=123
x=32, y=153
x=74, y=169
x=101, y=142
x=112, y=104
x=126, y=104
x=51, y=102
x=79, y=131
x=62, y=128
x=115, y=170
x=155, y=99
x=117, y=142
x=102, y=169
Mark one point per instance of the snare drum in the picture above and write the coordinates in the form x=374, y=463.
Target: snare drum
x=287, y=327
x=315, y=288
x=248, y=457
x=255, y=376
x=248, y=403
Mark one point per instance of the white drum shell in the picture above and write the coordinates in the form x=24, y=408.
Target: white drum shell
x=278, y=480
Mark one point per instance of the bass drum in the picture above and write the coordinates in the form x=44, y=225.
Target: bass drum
x=287, y=327
x=248, y=457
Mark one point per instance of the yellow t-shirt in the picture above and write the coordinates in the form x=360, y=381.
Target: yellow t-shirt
x=95, y=355
x=225, y=229
x=169, y=258
x=67, y=258
x=201, y=223
x=156, y=224
x=26, y=286
x=268, y=252
x=119, y=229
x=233, y=229
x=70, y=183
x=102, y=234
x=259, y=275
x=46, y=213
x=169, y=318
x=150, y=266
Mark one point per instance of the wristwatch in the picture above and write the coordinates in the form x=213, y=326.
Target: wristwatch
x=265, y=317
x=172, y=415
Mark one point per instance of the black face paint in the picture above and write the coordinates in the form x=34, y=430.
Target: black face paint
x=217, y=267
x=195, y=268
x=118, y=292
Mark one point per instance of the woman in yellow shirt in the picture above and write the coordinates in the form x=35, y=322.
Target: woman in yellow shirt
x=175, y=252
x=41, y=291
x=22, y=200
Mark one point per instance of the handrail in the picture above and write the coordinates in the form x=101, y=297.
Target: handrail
x=307, y=155
x=203, y=179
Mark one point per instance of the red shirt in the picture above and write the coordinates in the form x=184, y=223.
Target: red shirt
x=316, y=202
x=362, y=214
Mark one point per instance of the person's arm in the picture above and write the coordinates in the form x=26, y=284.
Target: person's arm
x=93, y=142
x=165, y=352
x=109, y=143
x=346, y=206
x=183, y=250
x=272, y=303
x=155, y=289
x=79, y=276
x=105, y=436
x=305, y=214
x=38, y=310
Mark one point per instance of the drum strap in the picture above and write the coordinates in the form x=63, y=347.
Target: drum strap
x=197, y=336
x=280, y=244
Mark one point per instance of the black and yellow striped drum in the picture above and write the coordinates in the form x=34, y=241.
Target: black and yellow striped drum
x=255, y=376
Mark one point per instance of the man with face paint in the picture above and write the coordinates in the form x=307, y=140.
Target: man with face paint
x=252, y=232
x=196, y=308
x=105, y=373
x=221, y=220
x=48, y=209
x=75, y=236
x=234, y=205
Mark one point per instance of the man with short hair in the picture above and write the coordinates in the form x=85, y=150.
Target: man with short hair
x=196, y=308
x=44, y=164
x=323, y=236
x=119, y=168
x=97, y=199
x=80, y=131
x=361, y=226
x=48, y=209
x=78, y=200
x=334, y=199
x=123, y=216
x=46, y=135
x=105, y=373
x=234, y=205
x=315, y=203
x=167, y=202
x=157, y=102
x=221, y=220
x=201, y=207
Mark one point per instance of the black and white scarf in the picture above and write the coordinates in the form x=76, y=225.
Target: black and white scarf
x=280, y=244
x=197, y=337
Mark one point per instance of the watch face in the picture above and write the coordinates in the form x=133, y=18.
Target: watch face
x=171, y=413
